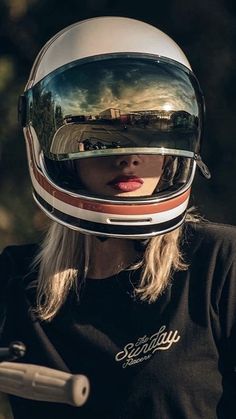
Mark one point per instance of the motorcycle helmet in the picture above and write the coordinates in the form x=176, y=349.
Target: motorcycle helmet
x=104, y=88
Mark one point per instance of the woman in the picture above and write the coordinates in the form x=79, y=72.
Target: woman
x=125, y=288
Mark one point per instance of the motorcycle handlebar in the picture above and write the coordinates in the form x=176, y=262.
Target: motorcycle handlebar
x=14, y=351
x=37, y=382
x=41, y=383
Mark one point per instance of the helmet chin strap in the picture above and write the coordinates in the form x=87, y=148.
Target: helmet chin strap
x=139, y=245
x=102, y=239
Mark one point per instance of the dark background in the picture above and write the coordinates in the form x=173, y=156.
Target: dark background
x=205, y=30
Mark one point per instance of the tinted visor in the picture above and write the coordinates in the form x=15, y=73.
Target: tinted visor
x=117, y=104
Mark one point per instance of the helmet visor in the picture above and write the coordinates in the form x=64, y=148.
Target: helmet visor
x=122, y=177
x=116, y=105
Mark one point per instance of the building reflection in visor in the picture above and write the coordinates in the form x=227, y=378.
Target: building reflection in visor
x=116, y=103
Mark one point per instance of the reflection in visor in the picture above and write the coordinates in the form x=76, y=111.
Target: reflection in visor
x=117, y=103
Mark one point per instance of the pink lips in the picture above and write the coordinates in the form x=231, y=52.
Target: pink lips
x=126, y=183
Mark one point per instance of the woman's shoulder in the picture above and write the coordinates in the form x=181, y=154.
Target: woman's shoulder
x=16, y=260
x=213, y=231
x=211, y=237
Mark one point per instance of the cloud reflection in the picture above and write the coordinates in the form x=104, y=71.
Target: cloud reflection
x=138, y=87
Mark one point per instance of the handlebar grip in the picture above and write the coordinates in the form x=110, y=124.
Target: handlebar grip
x=41, y=383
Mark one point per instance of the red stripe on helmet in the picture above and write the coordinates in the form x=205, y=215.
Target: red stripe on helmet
x=109, y=208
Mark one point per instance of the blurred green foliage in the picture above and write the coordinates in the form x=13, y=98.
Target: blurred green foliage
x=206, y=32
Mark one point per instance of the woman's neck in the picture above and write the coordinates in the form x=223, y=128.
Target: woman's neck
x=109, y=257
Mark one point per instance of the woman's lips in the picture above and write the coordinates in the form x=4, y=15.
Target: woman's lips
x=126, y=183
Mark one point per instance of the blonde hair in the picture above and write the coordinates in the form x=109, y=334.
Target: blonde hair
x=63, y=260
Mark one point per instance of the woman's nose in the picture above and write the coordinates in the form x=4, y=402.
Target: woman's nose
x=127, y=160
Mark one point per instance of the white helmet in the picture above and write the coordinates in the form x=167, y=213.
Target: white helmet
x=112, y=86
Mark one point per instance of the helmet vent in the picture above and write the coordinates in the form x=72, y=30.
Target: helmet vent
x=129, y=221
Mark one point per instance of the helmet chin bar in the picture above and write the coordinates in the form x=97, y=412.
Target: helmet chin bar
x=134, y=232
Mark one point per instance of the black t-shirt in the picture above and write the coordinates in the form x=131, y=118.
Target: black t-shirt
x=172, y=359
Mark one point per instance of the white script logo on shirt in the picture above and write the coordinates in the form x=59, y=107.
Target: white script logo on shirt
x=146, y=346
